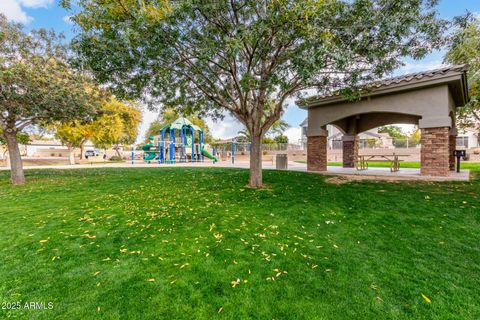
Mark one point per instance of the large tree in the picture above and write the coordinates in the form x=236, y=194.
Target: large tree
x=73, y=134
x=394, y=132
x=36, y=86
x=22, y=138
x=117, y=125
x=278, y=128
x=465, y=49
x=247, y=57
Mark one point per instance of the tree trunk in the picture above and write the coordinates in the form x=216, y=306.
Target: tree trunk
x=6, y=158
x=256, y=162
x=117, y=150
x=16, y=165
x=7, y=161
x=82, y=147
x=71, y=155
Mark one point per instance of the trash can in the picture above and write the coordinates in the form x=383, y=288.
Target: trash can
x=282, y=161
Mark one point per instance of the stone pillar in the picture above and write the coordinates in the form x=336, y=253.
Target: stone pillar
x=435, y=151
x=452, y=143
x=317, y=153
x=350, y=150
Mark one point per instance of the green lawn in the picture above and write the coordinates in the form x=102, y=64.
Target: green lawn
x=405, y=164
x=171, y=243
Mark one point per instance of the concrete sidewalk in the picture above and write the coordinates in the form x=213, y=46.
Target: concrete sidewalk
x=371, y=173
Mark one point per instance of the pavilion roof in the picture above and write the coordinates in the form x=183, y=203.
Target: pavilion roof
x=404, y=82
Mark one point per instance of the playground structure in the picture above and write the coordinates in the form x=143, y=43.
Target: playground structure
x=180, y=141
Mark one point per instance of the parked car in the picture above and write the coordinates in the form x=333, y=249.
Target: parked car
x=92, y=153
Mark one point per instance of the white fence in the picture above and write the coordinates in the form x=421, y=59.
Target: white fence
x=378, y=144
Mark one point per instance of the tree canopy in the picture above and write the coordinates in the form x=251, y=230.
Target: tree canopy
x=278, y=128
x=118, y=124
x=274, y=135
x=22, y=138
x=394, y=132
x=37, y=85
x=73, y=134
x=281, y=139
x=465, y=49
x=248, y=56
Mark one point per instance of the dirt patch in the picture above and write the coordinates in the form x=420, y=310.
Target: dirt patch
x=44, y=162
x=265, y=187
x=338, y=179
x=342, y=179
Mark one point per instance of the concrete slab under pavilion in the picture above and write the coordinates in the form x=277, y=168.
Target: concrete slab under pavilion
x=375, y=173
x=427, y=99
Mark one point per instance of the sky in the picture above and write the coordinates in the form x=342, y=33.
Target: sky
x=47, y=14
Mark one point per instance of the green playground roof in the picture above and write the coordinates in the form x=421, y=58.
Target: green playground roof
x=181, y=123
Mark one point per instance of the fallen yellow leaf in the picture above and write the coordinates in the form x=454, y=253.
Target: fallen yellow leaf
x=234, y=283
x=425, y=298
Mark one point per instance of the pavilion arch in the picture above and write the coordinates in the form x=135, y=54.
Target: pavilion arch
x=339, y=127
x=359, y=123
x=428, y=99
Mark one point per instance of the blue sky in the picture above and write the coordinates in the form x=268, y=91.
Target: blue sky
x=47, y=14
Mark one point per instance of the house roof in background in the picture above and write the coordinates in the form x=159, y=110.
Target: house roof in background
x=45, y=143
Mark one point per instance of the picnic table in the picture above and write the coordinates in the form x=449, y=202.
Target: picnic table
x=361, y=163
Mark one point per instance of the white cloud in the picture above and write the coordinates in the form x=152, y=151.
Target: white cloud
x=148, y=117
x=14, y=9
x=413, y=67
x=68, y=19
x=294, y=134
x=226, y=128
x=35, y=3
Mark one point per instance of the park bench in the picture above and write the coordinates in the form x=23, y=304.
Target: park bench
x=361, y=163
x=268, y=158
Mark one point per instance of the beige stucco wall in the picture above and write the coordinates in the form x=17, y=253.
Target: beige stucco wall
x=452, y=108
x=430, y=106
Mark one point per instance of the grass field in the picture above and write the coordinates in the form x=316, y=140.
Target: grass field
x=195, y=243
x=405, y=164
